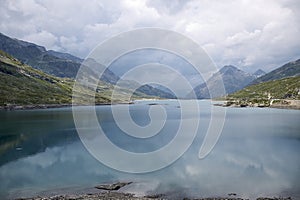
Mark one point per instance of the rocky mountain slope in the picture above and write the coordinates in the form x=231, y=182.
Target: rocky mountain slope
x=287, y=70
x=282, y=93
x=286, y=88
x=233, y=78
x=20, y=84
x=278, y=88
x=51, y=62
x=59, y=64
x=258, y=73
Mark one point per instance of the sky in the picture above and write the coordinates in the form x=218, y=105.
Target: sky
x=249, y=34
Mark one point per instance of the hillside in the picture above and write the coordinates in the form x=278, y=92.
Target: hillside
x=59, y=64
x=111, y=78
x=287, y=88
x=20, y=84
x=287, y=70
x=258, y=73
x=276, y=93
x=233, y=78
x=49, y=61
x=38, y=57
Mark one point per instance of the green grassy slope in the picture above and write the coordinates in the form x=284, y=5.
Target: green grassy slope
x=287, y=88
x=20, y=84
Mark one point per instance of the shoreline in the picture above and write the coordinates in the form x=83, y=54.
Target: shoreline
x=33, y=107
x=290, y=105
x=281, y=104
x=276, y=107
x=46, y=106
x=120, y=190
x=111, y=195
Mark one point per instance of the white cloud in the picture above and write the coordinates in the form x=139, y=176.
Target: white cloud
x=249, y=34
x=25, y=7
x=42, y=38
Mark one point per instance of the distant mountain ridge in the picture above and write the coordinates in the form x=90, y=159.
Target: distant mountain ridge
x=233, y=78
x=287, y=70
x=66, y=56
x=129, y=84
x=258, y=73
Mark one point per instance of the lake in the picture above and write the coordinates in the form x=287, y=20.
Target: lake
x=256, y=155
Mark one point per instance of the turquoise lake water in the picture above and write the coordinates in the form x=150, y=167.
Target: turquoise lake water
x=256, y=155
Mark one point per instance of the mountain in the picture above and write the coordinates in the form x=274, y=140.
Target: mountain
x=279, y=88
x=287, y=70
x=282, y=93
x=233, y=78
x=152, y=91
x=51, y=62
x=38, y=57
x=65, y=56
x=59, y=64
x=286, y=88
x=164, y=89
x=20, y=84
x=129, y=84
x=259, y=73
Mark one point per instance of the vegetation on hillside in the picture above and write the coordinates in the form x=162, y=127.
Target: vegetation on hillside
x=20, y=84
x=267, y=93
x=64, y=65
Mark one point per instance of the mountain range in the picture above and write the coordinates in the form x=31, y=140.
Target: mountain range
x=287, y=70
x=62, y=68
x=235, y=79
x=20, y=84
x=50, y=62
x=61, y=65
x=281, y=83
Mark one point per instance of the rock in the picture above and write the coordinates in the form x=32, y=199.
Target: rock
x=114, y=186
x=274, y=198
x=243, y=105
x=111, y=195
x=153, y=104
x=155, y=196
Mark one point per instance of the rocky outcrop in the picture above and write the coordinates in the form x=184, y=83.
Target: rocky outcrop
x=113, y=186
x=233, y=79
x=278, y=103
x=128, y=196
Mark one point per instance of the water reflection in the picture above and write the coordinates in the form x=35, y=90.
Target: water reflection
x=257, y=155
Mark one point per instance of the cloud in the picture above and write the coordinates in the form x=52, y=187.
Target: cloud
x=167, y=6
x=249, y=34
x=42, y=38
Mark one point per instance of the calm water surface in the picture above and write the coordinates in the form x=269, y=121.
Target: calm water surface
x=256, y=155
